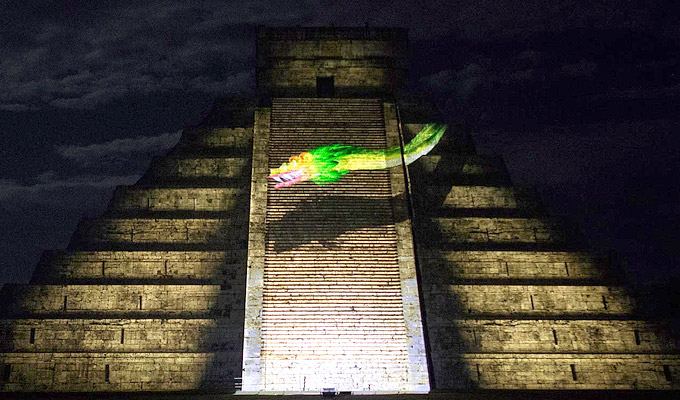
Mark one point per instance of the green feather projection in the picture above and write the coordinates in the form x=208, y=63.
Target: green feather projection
x=329, y=163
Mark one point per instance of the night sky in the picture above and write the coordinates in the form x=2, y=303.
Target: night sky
x=582, y=98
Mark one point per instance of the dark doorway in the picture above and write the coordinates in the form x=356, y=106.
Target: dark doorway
x=325, y=86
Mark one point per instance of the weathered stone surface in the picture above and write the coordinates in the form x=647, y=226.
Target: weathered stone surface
x=128, y=372
x=122, y=335
x=458, y=169
x=559, y=371
x=546, y=300
x=458, y=336
x=168, y=300
x=253, y=376
x=448, y=265
x=361, y=61
x=195, y=167
x=179, y=199
x=480, y=197
x=194, y=139
x=218, y=232
x=498, y=230
x=217, y=266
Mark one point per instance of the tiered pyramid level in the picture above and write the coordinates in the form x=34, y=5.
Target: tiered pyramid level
x=150, y=295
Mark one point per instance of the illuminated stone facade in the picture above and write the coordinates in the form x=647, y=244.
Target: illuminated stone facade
x=201, y=276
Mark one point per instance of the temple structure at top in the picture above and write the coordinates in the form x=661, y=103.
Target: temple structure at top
x=442, y=275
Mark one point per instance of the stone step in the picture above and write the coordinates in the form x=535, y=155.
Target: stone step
x=374, y=325
x=332, y=131
x=225, y=267
x=457, y=169
x=294, y=146
x=223, y=199
x=121, y=335
x=557, y=371
x=329, y=281
x=198, y=167
x=344, y=348
x=212, y=137
x=448, y=265
x=324, y=315
x=120, y=300
x=472, y=198
x=324, y=119
x=458, y=336
x=127, y=372
x=221, y=233
x=276, y=303
x=311, y=103
x=327, y=114
x=314, y=374
x=338, y=330
x=467, y=230
x=285, y=125
x=445, y=301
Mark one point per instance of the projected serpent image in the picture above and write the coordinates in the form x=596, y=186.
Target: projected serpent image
x=331, y=162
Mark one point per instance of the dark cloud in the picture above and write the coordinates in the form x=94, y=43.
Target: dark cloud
x=57, y=191
x=83, y=56
x=582, y=68
x=132, y=50
x=87, y=155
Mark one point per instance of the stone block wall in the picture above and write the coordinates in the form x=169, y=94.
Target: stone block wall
x=559, y=371
x=203, y=139
x=526, y=300
x=362, y=61
x=223, y=267
x=120, y=372
x=457, y=169
x=449, y=265
x=482, y=197
x=112, y=299
x=199, y=167
x=498, y=230
x=178, y=199
x=550, y=336
x=218, y=233
x=121, y=335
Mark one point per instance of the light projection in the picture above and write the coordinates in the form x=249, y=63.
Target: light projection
x=329, y=163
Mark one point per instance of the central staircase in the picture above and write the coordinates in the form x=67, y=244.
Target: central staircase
x=332, y=308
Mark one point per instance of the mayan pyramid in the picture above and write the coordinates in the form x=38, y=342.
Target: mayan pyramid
x=441, y=276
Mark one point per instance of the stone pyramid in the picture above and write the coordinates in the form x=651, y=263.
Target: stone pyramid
x=441, y=276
